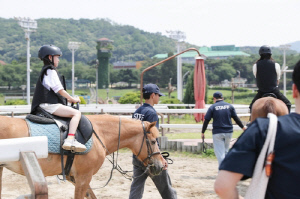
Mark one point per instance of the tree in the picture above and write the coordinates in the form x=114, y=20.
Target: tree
x=168, y=70
x=154, y=74
x=114, y=74
x=189, y=92
x=13, y=75
x=225, y=71
x=128, y=75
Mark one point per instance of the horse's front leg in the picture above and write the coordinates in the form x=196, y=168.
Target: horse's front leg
x=1, y=171
x=82, y=186
x=90, y=194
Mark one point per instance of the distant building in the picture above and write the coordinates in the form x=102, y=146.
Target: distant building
x=214, y=52
x=127, y=65
x=124, y=65
x=2, y=62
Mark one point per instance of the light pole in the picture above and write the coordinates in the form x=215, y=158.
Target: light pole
x=179, y=36
x=186, y=74
x=29, y=26
x=73, y=46
x=97, y=65
x=284, y=67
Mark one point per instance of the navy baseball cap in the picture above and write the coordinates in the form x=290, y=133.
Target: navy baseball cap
x=152, y=88
x=218, y=95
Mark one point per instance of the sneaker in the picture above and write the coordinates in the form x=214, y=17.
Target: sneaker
x=73, y=145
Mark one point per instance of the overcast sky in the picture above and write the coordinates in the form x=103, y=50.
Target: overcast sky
x=205, y=22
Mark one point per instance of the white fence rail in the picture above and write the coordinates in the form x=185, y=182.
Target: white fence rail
x=120, y=108
x=127, y=109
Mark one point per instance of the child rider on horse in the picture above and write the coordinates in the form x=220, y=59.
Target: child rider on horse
x=50, y=94
x=267, y=74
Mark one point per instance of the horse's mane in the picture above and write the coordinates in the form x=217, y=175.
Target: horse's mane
x=130, y=120
x=269, y=107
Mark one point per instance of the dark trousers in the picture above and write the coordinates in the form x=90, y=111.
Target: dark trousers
x=162, y=182
x=276, y=92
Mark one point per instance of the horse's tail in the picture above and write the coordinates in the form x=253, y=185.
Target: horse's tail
x=269, y=107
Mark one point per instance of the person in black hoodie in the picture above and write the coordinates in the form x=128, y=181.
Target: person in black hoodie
x=50, y=94
x=267, y=74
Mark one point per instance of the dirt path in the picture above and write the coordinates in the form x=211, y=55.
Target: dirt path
x=191, y=177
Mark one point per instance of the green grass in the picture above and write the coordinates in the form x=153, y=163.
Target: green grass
x=242, y=97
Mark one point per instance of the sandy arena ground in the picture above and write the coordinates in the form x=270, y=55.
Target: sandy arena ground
x=191, y=177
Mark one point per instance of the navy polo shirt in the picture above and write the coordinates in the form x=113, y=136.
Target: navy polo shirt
x=146, y=113
x=242, y=157
x=221, y=112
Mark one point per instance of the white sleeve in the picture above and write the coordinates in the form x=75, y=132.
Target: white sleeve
x=278, y=71
x=52, y=81
x=254, y=68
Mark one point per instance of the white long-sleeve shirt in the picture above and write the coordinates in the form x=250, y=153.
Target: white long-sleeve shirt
x=277, y=68
x=51, y=81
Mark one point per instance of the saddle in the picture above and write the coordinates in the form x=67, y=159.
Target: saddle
x=269, y=95
x=83, y=133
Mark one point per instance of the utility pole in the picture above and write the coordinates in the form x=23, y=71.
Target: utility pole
x=179, y=37
x=284, y=67
x=29, y=26
x=73, y=46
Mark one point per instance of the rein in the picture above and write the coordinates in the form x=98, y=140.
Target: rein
x=116, y=166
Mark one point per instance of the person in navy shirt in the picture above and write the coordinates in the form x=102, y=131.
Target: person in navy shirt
x=162, y=182
x=221, y=112
x=240, y=161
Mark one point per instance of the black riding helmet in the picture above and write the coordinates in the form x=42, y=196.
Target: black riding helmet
x=46, y=50
x=265, y=50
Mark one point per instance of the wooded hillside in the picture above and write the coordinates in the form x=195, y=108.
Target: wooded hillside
x=130, y=43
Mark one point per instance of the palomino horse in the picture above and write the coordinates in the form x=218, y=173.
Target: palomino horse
x=265, y=105
x=85, y=166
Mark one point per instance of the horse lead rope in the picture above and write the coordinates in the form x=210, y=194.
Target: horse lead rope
x=115, y=166
x=203, y=146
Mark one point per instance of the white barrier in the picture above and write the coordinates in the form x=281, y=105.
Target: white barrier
x=192, y=126
x=27, y=150
x=125, y=108
x=11, y=148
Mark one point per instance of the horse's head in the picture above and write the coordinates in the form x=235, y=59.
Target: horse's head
x=265, y=105
x=149, y=152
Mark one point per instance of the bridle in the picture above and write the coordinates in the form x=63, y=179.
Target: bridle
x=149, y=149
x=116, y=166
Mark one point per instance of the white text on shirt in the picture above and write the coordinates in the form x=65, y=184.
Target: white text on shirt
x=222, y=107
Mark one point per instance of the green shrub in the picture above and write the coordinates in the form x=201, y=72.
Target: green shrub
x=15, y=102
x=130, y=98
x=172, y=101
x=209, y=153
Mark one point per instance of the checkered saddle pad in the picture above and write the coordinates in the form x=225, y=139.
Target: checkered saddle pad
x=53, y=134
